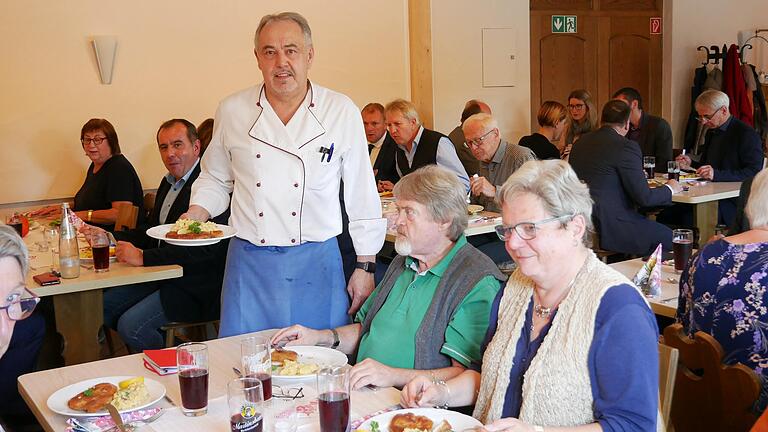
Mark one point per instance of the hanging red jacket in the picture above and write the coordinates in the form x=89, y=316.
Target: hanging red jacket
x=735, y=87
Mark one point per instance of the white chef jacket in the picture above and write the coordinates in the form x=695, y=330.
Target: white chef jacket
x=285, y=192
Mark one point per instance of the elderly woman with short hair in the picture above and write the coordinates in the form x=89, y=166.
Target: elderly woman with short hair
x=723, y=290
x=430, y=311
x=20, y=341
x=572, y=344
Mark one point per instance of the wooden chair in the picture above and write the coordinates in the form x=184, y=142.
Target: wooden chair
x=187, y=332
x=127, y=215
x=668, y=358
x=709, y=396
x=149, y=202
x=602, y=254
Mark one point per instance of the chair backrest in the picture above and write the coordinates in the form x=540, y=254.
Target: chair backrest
x=708, y=394
x=149, y=202
x=668, y=358
x=127, y=215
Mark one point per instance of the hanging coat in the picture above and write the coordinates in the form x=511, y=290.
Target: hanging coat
x=735, y=87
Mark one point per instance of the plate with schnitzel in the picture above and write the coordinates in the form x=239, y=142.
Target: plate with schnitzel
x=187, y=232
x=419, y=420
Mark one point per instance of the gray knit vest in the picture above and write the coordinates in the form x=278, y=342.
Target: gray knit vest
x=465, y=270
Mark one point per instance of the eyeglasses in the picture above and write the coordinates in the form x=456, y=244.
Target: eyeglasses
x=95, y=140
x=288, y=392
x=477, y=141
x=708, y=117
x=526, y=230
x=576, y=107
x=22, y=308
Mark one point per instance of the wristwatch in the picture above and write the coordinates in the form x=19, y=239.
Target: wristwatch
x=368, y=266
x=90, y=214
x=336, y=340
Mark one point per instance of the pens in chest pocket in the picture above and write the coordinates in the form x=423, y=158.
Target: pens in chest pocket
x=326, y=151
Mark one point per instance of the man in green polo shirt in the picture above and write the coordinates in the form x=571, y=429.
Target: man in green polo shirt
x=430, y=312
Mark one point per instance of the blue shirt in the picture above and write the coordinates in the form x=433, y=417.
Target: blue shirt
x=173, y=192
x=623, y=361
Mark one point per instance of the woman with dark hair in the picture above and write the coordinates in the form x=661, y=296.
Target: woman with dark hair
x=110, y=181
x=583, y=119
x=552, y=121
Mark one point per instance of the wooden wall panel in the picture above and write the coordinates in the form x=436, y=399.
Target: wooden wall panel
x=628, y=60
x=420, y=44
x=561, y=5
x=629, y=5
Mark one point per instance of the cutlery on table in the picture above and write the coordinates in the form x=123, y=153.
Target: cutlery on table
x=135, y=424
x=116, y=418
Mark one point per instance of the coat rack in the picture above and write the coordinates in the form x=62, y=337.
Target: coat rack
x=748, y=45
x=714, y=54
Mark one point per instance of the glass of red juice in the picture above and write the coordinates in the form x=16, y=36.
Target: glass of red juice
x=333, y=398
x=192, y=360
x=246, y=405
x=682, y=247
x=256, y=362
x=99, y=242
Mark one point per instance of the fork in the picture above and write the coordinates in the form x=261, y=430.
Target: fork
x=133, y=425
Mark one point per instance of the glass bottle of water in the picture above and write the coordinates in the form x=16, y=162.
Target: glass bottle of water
x=69, y=253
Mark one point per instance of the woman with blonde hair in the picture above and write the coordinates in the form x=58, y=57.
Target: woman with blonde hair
x=571, y=343
x=552, y=120
x=583, y=119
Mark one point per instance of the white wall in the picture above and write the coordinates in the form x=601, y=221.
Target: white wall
x=176, y=58
x=695, y=23
x=457, y=63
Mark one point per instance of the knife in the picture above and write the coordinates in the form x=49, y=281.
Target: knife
x=116, y=418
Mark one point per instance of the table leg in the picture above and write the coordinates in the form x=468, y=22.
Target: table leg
x=705, y=218
x=79, y=316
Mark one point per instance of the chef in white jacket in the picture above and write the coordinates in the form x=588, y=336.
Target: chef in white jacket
x=281, y=148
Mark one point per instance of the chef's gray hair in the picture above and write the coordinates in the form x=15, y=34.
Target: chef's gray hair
x=12, y=246
x=555, y=183
x=441, y=192
x=285, y=16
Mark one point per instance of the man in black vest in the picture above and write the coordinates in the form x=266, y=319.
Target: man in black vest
x=431, y=310
x=138, y=311
x=418, y=146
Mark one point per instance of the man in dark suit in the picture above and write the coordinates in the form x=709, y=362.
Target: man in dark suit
x=652, y=133
x=732, y=150
x=612, y=167
x=138, y=311
x=381, y=147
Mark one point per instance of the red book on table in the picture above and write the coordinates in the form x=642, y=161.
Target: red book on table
x=161, y=361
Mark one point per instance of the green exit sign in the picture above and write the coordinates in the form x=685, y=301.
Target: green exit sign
x=563, y=23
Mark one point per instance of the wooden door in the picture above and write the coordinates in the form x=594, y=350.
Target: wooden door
x=613, y=48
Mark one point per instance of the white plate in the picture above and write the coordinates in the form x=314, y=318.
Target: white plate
x=321, y=356
x=474, y=208
x=458, y=421
x=160, y=231
x=57, y=402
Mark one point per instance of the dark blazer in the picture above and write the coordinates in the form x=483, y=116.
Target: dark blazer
x=196, y=295
x=656, y=140
x=384, y=166
x=735, y=153
x=612, y=167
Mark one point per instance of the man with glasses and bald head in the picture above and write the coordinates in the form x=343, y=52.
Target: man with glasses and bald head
x=732, y=150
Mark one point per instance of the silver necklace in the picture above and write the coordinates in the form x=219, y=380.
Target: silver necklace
x=541, y=311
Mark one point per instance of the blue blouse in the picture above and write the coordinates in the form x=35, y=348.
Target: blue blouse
x=723, y=293
x=623, y=361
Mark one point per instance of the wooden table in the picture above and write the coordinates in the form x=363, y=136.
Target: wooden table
x=36, y=387
x=78, y=303
x=704, y=199
x=666, y=305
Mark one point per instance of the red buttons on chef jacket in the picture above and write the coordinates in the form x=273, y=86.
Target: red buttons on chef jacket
x=293, y=213
x=258, y=155
x=263, y=241
x=293, y=240
x=295, y=185
x=261, y=214
x=258, y=184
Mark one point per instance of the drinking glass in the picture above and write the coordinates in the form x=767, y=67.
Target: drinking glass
x=682, y=246
x=246, y=405
x=256, y=360
x=192, y=360
x=333, y=398
x=649, y=163
x=673, y=171
x=99, y=242
x=51, y=236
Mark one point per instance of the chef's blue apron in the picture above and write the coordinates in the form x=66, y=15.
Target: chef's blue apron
x=276, y=286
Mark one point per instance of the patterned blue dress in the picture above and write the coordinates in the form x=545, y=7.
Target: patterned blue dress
x=723, y=293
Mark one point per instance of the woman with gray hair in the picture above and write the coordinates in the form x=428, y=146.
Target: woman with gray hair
x=16, y=300
x=722, y=290
x=571, y=342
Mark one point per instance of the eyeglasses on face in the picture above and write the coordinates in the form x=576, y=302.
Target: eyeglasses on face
x=576, y=107
x=526, y=230
x=94, y=140
x=478, y=141
x=708, y=117
x=21, y=308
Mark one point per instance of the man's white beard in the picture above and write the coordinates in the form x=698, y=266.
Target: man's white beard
x=403, y=246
